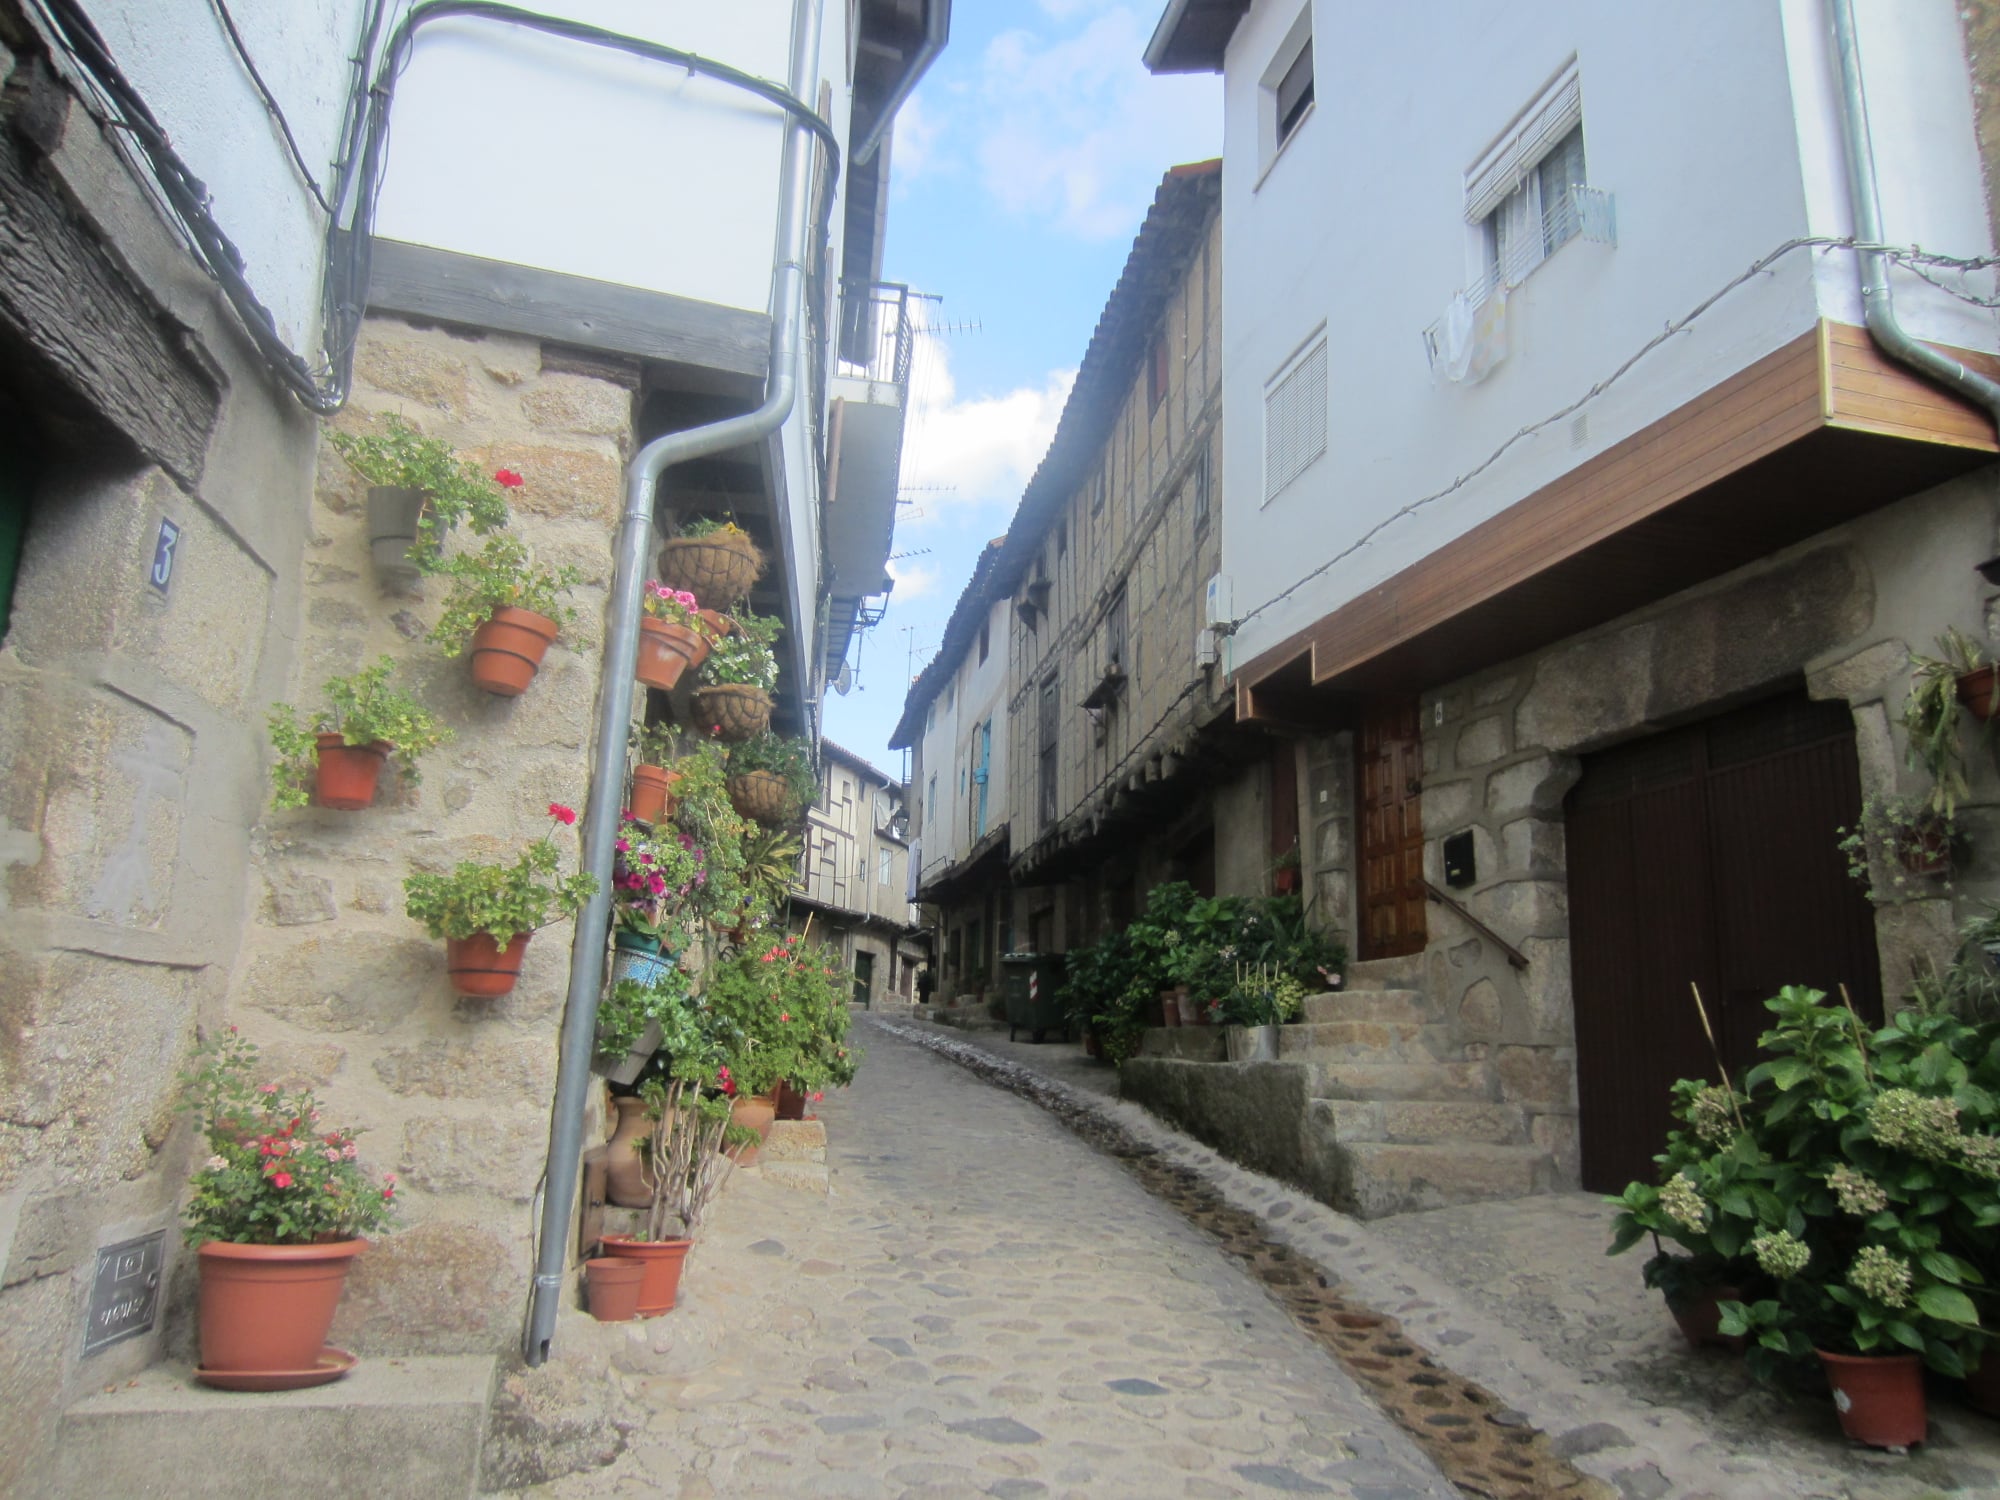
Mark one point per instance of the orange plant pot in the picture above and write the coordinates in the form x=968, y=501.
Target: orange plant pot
x=666, y=651
x=1980, y=692
x=653, y=793
x=481, y=968
x=346, y=774
x=1879, y=1397
x=661, y=1283
x=265, y=1309
x=613, y=1285
x=508, y=649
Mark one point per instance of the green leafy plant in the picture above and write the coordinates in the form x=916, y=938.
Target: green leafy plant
x=362, y=710
x=686, y=1091
x=745, y=658
x=1892, y=844
x=275, y=1173
x=709, y=526
x=760, y=1051
x=654, y=874
x=502, y=574
x=790, y=760
x=632, y=1005
x=1261, y=996
x=1105, y=991
x=1931, y=715
x=770, y=865
x=703, y=812
x=657, y=744
x=501, y=901
x=403, y=458
x=675, y=606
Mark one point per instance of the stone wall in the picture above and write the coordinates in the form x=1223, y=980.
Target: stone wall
x=340, y=988
x=1842, y=611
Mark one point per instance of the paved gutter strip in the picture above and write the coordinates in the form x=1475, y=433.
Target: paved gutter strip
x=1335, y=1276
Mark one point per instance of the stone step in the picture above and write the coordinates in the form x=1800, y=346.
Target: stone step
x=795, y=1140
x=1386, y=973
x=1422, y=1121
x=1189, y=1043
x=411, y=1426
x=1371, y=1005
x=1364, y=1042
x=1390, y=1178
x=1422, y=1081
x=800, y=1176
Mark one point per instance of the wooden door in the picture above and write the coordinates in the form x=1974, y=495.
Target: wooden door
x=1705, y=856
x=1390, y=789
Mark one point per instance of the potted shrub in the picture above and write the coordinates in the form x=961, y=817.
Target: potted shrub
x=1259, y=1000
x=507, y=608
x=487, y=912
x=713, y=560
x=277, y=1213
x=419, y=490
x=1936, y=746
x=1897, y=846
x=652, y=875
x=337, y=758
x=734, y=701
x=629, y=1020
x=653, y=778
x=771, y=778
x=1974, y=681
x=812, y=991
x=674, y=635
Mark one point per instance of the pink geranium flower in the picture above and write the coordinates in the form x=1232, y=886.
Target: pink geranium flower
x=564, y=815
x=507, y=479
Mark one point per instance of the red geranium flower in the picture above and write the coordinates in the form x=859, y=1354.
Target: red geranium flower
x=507, y=479
x=562, y=814
x=281, y=1180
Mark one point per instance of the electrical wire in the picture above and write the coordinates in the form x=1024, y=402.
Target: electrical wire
x=221, y=9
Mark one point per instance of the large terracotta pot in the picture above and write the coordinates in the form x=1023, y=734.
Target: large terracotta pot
x=613, y=1285
x=393, y=513
x=666, y=650
x=732, y=711
x=761, y=796
x=625, y=1175
x=1980, y=692
x=265, y=1309
x=508, y=649
x=346, y=774
x=481, y=968
x=1170, y=1008
x=718, y=568
x=1193, y=1009
x=663, y=1259
x=1880, y=1397
x=790, y=1103
x=653, y=794
x=1700, y=1318
x=756, y=1113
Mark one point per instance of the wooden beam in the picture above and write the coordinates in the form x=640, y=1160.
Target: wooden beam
x=508, y=298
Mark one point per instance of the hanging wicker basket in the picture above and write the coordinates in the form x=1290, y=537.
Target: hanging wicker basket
x=717, y=569
x=761, y=796
x=732, y=711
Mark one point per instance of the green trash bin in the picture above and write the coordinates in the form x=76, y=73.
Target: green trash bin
x=1033, y=984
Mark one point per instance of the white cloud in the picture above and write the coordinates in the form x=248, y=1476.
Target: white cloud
x=979, y=451
x=913, y=147
x=913, y=580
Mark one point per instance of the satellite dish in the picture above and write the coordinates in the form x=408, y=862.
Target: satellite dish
x=844, y=683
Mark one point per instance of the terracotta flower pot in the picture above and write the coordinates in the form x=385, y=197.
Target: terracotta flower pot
x=790, y=1103
x=1700, y=1318
x=666, y=650
x=613, y=1284
x=761, y=796
x=653, y=794
x=1982, y=1383
x=1880, y=1397
x=508, y=649
x=1980, y=692
x=719, y=567
x=755, y=1112
x=345, y=775
x=1194, y=1012
x=481, y=968
x=1093, y=1045
x=393, y=514
x=265, y=1309
x=662, y=1278
x=732, y=711
x=625, y=1176
x=1170, y=1009
x=1925, y=849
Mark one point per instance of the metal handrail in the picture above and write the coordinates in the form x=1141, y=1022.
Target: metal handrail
x=1514, y=955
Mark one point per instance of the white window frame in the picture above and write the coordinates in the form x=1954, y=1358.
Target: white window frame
x=1270, y=144
x=1307, y=364
x=1515, y=229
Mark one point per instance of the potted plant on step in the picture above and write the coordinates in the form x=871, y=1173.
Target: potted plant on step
x=1256, y=1004
x=278, y=1211
x=336, y=759
x=419, y=491
x=507, y=608
x=714, y=560
x=487, y=912
x=771, y=778
x=674, y=636
x=734, y=701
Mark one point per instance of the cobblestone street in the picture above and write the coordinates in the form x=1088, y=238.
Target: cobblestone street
x=985, y=1306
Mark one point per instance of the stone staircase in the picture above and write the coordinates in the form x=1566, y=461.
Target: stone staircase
x=1398, y=1113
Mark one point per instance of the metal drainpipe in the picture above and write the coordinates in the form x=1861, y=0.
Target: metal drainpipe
x=614, y=693
x=1878, y=304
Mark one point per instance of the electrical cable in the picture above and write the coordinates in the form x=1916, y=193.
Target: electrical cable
x=221, y=9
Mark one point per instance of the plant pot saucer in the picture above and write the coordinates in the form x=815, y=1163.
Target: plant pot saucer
x=329, y=1367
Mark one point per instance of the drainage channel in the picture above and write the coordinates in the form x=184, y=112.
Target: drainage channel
x=1481, y=1445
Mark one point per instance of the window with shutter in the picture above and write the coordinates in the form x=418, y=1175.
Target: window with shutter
x=1295, y=92
x=1295, y=420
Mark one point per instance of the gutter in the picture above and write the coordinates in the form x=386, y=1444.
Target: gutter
x=937, y=31
x=621, y=649
x=1155, y=55
x=1878, y=304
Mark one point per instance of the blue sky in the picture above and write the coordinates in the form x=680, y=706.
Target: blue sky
x=1022, y=167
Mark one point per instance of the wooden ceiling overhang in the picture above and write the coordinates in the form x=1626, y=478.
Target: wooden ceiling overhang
x=1816, y=433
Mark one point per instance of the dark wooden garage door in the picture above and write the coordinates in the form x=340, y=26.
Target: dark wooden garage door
x=1705, y=855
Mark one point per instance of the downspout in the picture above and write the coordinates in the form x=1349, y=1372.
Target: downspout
x=1878, y=304
x=614, y=694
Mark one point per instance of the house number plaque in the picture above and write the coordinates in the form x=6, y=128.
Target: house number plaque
x=125, y=1295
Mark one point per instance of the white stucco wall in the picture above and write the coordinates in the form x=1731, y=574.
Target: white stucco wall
x=1712, y=123
x=978, y=692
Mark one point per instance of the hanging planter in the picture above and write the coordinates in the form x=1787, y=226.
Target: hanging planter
x=761, y=796
x=1880, y=1397
x=720, y=564
x=652, y=800
x=732, y=711
x=480, y=968
x=660, y=1282
x=613, y=1285
x=1980, y=692
x=666, y=651
x=345, y=775
x=508, y=649
x=394, y=514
